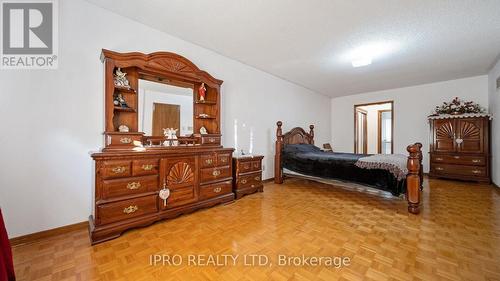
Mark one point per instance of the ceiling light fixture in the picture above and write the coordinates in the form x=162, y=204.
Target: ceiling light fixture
x=361, y=62
x=365, y=54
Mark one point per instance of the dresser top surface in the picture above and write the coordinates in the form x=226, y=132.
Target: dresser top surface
x=160, y=151
x=248, y=157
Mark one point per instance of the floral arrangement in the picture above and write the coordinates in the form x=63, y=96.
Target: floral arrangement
x=458, y=106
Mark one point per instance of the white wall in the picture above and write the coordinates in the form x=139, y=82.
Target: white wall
x=412, y=105
x=52, y=119
x=494, y=104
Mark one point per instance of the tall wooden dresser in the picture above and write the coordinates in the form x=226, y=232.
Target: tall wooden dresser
x=460, y=147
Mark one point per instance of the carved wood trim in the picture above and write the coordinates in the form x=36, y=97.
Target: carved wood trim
x=165, y=63
x=180, y=173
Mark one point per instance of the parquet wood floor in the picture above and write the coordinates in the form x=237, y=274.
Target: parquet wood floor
x=456, y=237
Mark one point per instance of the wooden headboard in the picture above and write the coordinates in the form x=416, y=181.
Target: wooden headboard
x=296, y=135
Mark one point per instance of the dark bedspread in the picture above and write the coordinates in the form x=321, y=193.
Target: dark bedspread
x=310, y=160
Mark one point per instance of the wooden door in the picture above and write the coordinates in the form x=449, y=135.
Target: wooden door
x=166, y=116
x=469, y=135
x=384, y=132
x=360, y=140
x=181, y=177
x=444, y=135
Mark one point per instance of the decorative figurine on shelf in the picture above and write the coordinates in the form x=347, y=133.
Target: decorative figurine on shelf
x=123, y=129
x=120, y=101
x=203, y=130
x=120, y=79
x=170, y=136
x=202, y=91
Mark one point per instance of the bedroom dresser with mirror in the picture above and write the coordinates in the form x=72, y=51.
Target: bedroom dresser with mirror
x=162, y=155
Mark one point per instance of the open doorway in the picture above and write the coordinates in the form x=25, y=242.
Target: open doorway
x=374, y=128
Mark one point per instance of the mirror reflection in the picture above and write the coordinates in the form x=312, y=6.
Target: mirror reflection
x=165, y=105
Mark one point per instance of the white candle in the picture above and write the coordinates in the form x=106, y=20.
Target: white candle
x=236, y=135
x=250, y=150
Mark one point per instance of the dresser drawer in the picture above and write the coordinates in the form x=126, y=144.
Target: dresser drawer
x=126, y=209
x=244, y=166
x=208, y=160
x=459, y=159
x=250, y=180
x=215, y=140
x=215, y=174
x=123, y=139
x=463, y=170
x=181, y=196
x=115, y=169
x=256, y=165
x=214, y=190
x=145, y=167
x=223, y=159
x=128, y=186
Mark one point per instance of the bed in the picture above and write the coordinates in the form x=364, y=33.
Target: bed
x=295, y=152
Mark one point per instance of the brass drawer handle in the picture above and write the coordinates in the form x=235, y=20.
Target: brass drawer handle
x=246, y=166
x=439, y=159
x=257, y=178
x=439, y=168
x=211, y=139
x=125, y=140
x=147, y=167
x=456, y=157
x=118, y=170
x=223, y=160
x=217, y=189
x=243, y=181
x=252, y=185
x=476, y=161
x=133, y=185
x=476, y=171
x=209, y=161
x=130, y=209
x=215, y=173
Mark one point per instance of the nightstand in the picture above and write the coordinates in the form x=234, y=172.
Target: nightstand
x=247, y=175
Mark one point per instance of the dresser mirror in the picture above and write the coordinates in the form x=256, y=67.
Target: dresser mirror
x=147, y=93
x=165, y=104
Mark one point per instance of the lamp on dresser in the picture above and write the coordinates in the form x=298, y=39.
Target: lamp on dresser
x=141, y=175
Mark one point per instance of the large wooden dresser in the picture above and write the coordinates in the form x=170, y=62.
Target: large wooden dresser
x=460, y=148
x=127, y=185
x=133, y=171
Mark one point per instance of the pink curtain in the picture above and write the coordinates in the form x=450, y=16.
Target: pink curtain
x=6, y=264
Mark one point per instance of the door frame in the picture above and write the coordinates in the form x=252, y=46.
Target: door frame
x=356, y=119
x=365, y=132
x=379, y=131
